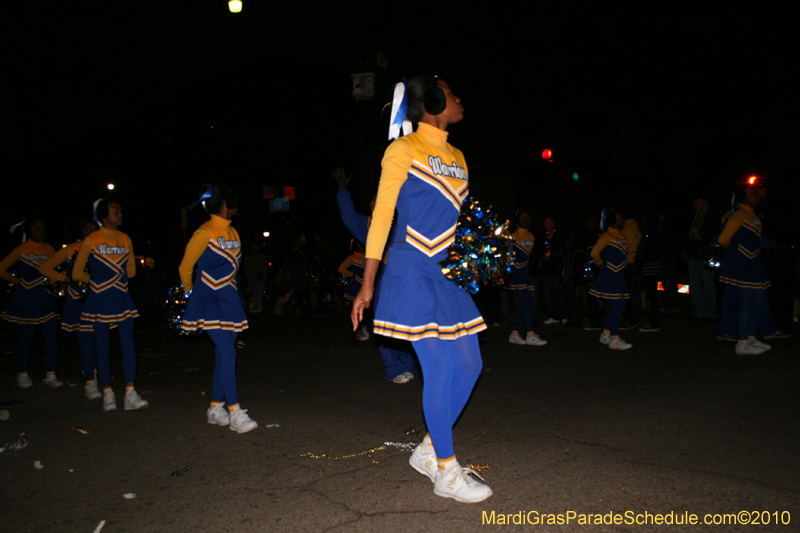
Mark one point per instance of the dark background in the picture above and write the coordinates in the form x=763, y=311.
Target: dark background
x=649, y=106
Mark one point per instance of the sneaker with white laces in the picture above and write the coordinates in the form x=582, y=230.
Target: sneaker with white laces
x=533, y=339
x=91, y=391
x=218, y=415
x=605, y=338
x=424, y=463
x=649, y=329
x=619, y=344
x=454, y=482
x=240, y=422
x=515, y=338
x=756, y=342
x=134, y=401
x=24, y=381
x=53, y=382
x=551, y=321
x=405, y=377
x=109, y=400
x=746, y=348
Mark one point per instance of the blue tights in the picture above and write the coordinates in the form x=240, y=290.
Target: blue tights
x=450, y=370
x=617, y=307
x=224, y=388
x=26, y=341
x=525, y=311
x=102, y=348
x=86, y=352
x=751, y=308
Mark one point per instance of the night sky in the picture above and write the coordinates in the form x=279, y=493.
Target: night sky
x=652, y=104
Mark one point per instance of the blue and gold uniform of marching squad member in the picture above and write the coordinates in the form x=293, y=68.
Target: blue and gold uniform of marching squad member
x=611, y=253
x=426, y=179
x=30, y=305
x=353, y=267
x=741, y=268
x=73, y=307
x=396, y=354
x=109, y=254
x=214, y=302
x=521, y=283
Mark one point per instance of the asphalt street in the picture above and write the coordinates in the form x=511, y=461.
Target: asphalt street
x=675, y=428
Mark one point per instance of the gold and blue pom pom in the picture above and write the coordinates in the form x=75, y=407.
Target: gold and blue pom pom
x=54, y=287
x=176, y=307
x=481, y=253
x=58, y=289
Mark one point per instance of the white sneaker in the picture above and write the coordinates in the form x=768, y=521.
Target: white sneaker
x=746, y=348
x=24, y=380
x=514, y=338
x=53, y=382
x=424, y=463
x=534, y=340
x=240, y=422
x=454, y=482
x=109, y=400
x=605, y=338
x=551, y=321
x=405, y=377
x=134, y=401
x=619, y=344
x=218, y=415
x=91, y=390
x=756, y=342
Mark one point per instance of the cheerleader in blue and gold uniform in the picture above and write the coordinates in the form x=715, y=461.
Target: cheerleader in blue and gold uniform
x=353, y=267
x=109, y=254
x=611, y=253
x=73, y=306
x=214, y=303
x=30, y=305
x=426, y=179
x=521, y=283
x=741, y=268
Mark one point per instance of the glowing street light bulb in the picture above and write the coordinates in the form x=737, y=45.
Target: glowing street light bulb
x=110, y=186
x=266, y=234
x=235, y=6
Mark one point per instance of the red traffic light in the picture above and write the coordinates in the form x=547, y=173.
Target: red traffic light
x=752, y=180
x=547, y=154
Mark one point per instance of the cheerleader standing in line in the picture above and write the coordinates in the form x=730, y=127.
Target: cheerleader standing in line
x=522, y=284
x=214, y=303
x=741, y=268
x=426, y=179
x=611, y=253
x=30, y=305
x=73, y=306
x=109, y=253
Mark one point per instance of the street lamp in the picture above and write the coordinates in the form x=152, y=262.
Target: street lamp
x=235, y=6
x=110, y=186
x=266, y=234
